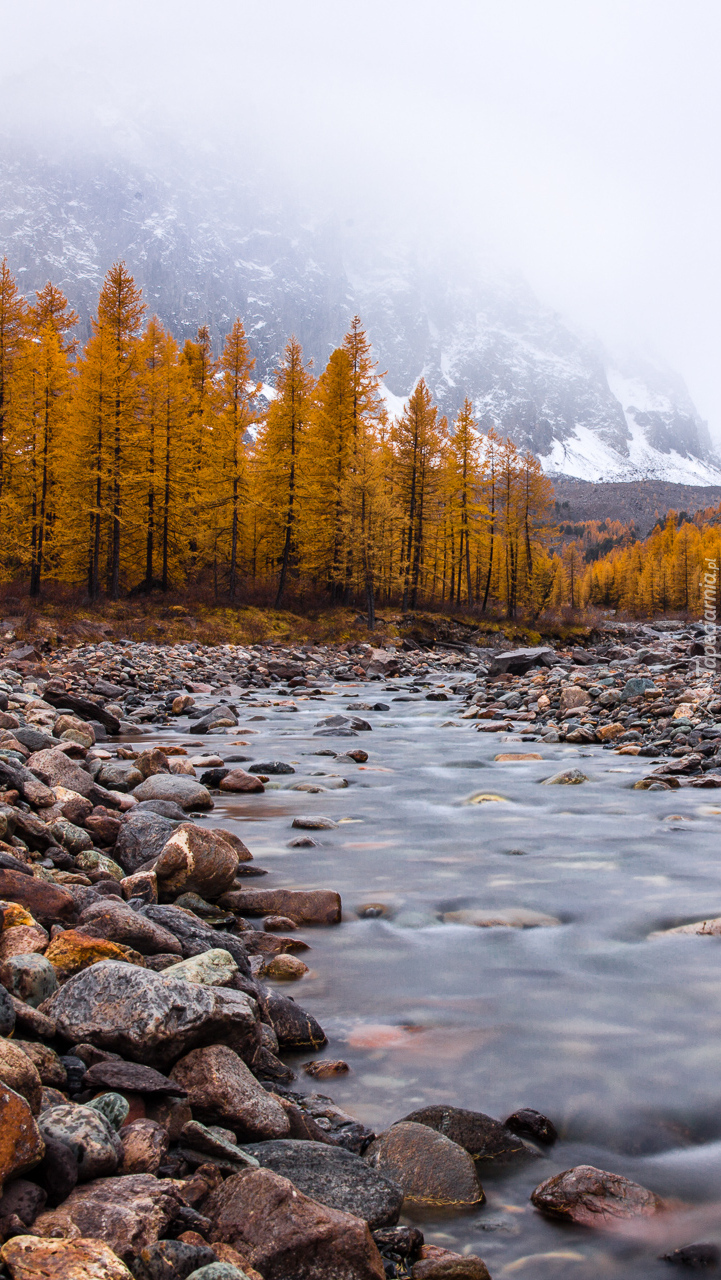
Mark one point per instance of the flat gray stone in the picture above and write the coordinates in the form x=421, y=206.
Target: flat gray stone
x=333, y=1176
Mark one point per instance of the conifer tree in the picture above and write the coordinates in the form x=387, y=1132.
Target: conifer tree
x=234, y=413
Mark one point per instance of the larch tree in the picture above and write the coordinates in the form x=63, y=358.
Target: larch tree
x=13, y=331
x=417, y=447
x=234, y=397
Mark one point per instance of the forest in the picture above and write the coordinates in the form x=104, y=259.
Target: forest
x=131, y=464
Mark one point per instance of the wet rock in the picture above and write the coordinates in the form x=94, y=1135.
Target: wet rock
x=284, y=968
x=237, y=780
x=272, y=767
x=480, y=1135
x=590, y=1197
x=326, y=1068
x=146, y=1017
x=171, y=1260
x=284, y=1233
x=431, y=1168
x=568, y=777
x=441, y=1264
x=113, y=920
x=127, y=1213
x=132, y=1077
x=21, y=1146
x=29, y=1258
x=314, y=824
x=221, y=1089
x=183, y=791
x=528, y=1123
x=20, y=1074
x=30, y=978
x=47, y=903
x=87, y=1132
x=518, y=661
x=145, y=1146
x=304, y=906
x=72, y=951
x=334, y=1177
x=699, y=928
x=196, y=861
x=695, y=1256
x=215, y=968
x=513, y=918
x=294, y=1028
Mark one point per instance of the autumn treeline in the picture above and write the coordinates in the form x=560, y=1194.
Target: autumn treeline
x=133, y=464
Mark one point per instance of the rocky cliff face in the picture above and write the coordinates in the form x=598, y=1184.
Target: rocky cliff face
x=212, y=247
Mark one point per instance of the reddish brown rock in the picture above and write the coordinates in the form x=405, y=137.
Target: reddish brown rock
x=29, y=1258
x=133, y=1077
x=127, y=1213
x=284, y=968
x=46, y=1063
x=284, y=1233
x=47, y=903
x=23, y=940
x=20, y=1074
x=242, y=850
x=145, y=1146
x=590, y=1197
x=21, y=1146
x=441, y=1264
x=151, y=762
x=239, y=780
x=55, y=768
x=195, y=861
x=114, y=920
x=431, y=1169
x=222, y=1090
x=303, y=906
x=103, y=825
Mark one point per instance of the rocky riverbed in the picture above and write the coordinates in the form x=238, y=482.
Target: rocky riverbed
x=360, y=962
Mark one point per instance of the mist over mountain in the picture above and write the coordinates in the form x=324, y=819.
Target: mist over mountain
x=216, y=244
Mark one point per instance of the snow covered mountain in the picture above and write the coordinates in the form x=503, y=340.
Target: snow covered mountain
x=209, y=247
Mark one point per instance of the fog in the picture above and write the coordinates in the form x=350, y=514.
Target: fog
x=575, y=141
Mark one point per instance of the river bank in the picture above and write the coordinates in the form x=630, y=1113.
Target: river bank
x=484, y=960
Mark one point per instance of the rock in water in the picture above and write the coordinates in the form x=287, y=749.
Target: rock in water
x=221, y=1090
x=569, y=777
x=186, y=792
x=442, y=1264
x=284, y=1233
x=144, y=1016
x=196, y=861
x=335, y=1177
x=482, y=1137
x=31, y=1258
x=431, y=1169
x=590, y=1197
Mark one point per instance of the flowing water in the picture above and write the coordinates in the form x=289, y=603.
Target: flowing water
x=615, y=1036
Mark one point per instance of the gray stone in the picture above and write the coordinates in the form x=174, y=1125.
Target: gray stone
x=171, y=1260
x=184, y=791
x=195, y=936
x=333, y=1176
x=482, y=1137
x=271, y=766
x=634, y=687
x=569, y=777
x=7, y=1013
x=165, y=808
x=113, y=920
x=119, y=775
x=141, y=838
x=518, y=661
x=218, y=1271
x=314, y=824
x=30, y=978
x=113, y=1106
x=91, y=1135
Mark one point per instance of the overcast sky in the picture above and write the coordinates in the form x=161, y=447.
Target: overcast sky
x=576, y=140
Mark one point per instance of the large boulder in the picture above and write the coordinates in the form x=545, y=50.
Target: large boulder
x=591, y=1197
x=127, y=1213
x=30, y=1258
x=431, y=1169
x=304, y=906
x=56, y=769
x=221, y=1090
x=87, y=708
x=21, y=1146
x=142, y=837
x=195, y=860
x=333, y=1176
x=518, y=661
x=284, y=1233
x=184, y=791
x=48, y=903
x=482, y=1137
x=195, y=936
x=113, y=920
x=146, y=1017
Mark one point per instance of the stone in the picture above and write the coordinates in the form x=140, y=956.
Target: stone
x=607, y=732
x=46, y=1062
x=573, y=697
x=171, y=1260
x=237, y=780
x=30, y=978
x=127, y=1213
x=186, y=792
x=517, y=757
x=103, y=826
x=272, y=767
x=442, y=1264
x=196, y=861
x=699, y=929
x=326, y=1068
x=284, y=968
x=146, y=1017
x=119, y=775
x=293, y=1026
x=151, y=762
x=55, y=768
x=304, y=906
x=28, y=1018
x=481, y=1136
x=145, y=1146
x=98, y=867
x=314, y=824
x=144, y=884
x=591, y=1197
x=113, y=1106
x=47, y=903
x=513, y=918
x=284, y=1233
x=219, y=1271
x=113, y=920
x=568, y=777
x=695, y=1256
x=197, y=937
x=214, y=968
x=89, y=1133
x=20, y=1074
x=221, y=1089
x=25, y=1200
x=334, y=1177
x=7, y=1008
x=130, y=1077
x=30, y=1258
x=57, y=1172
x=21, y=1145
x=528, y=1123
x=518, y=661
x=87, y=708
x=22, y=940
x=431, y=1168
x=72, y=951
x=635, y=687
x=143, y=835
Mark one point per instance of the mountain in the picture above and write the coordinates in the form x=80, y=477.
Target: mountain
x=210, y=246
